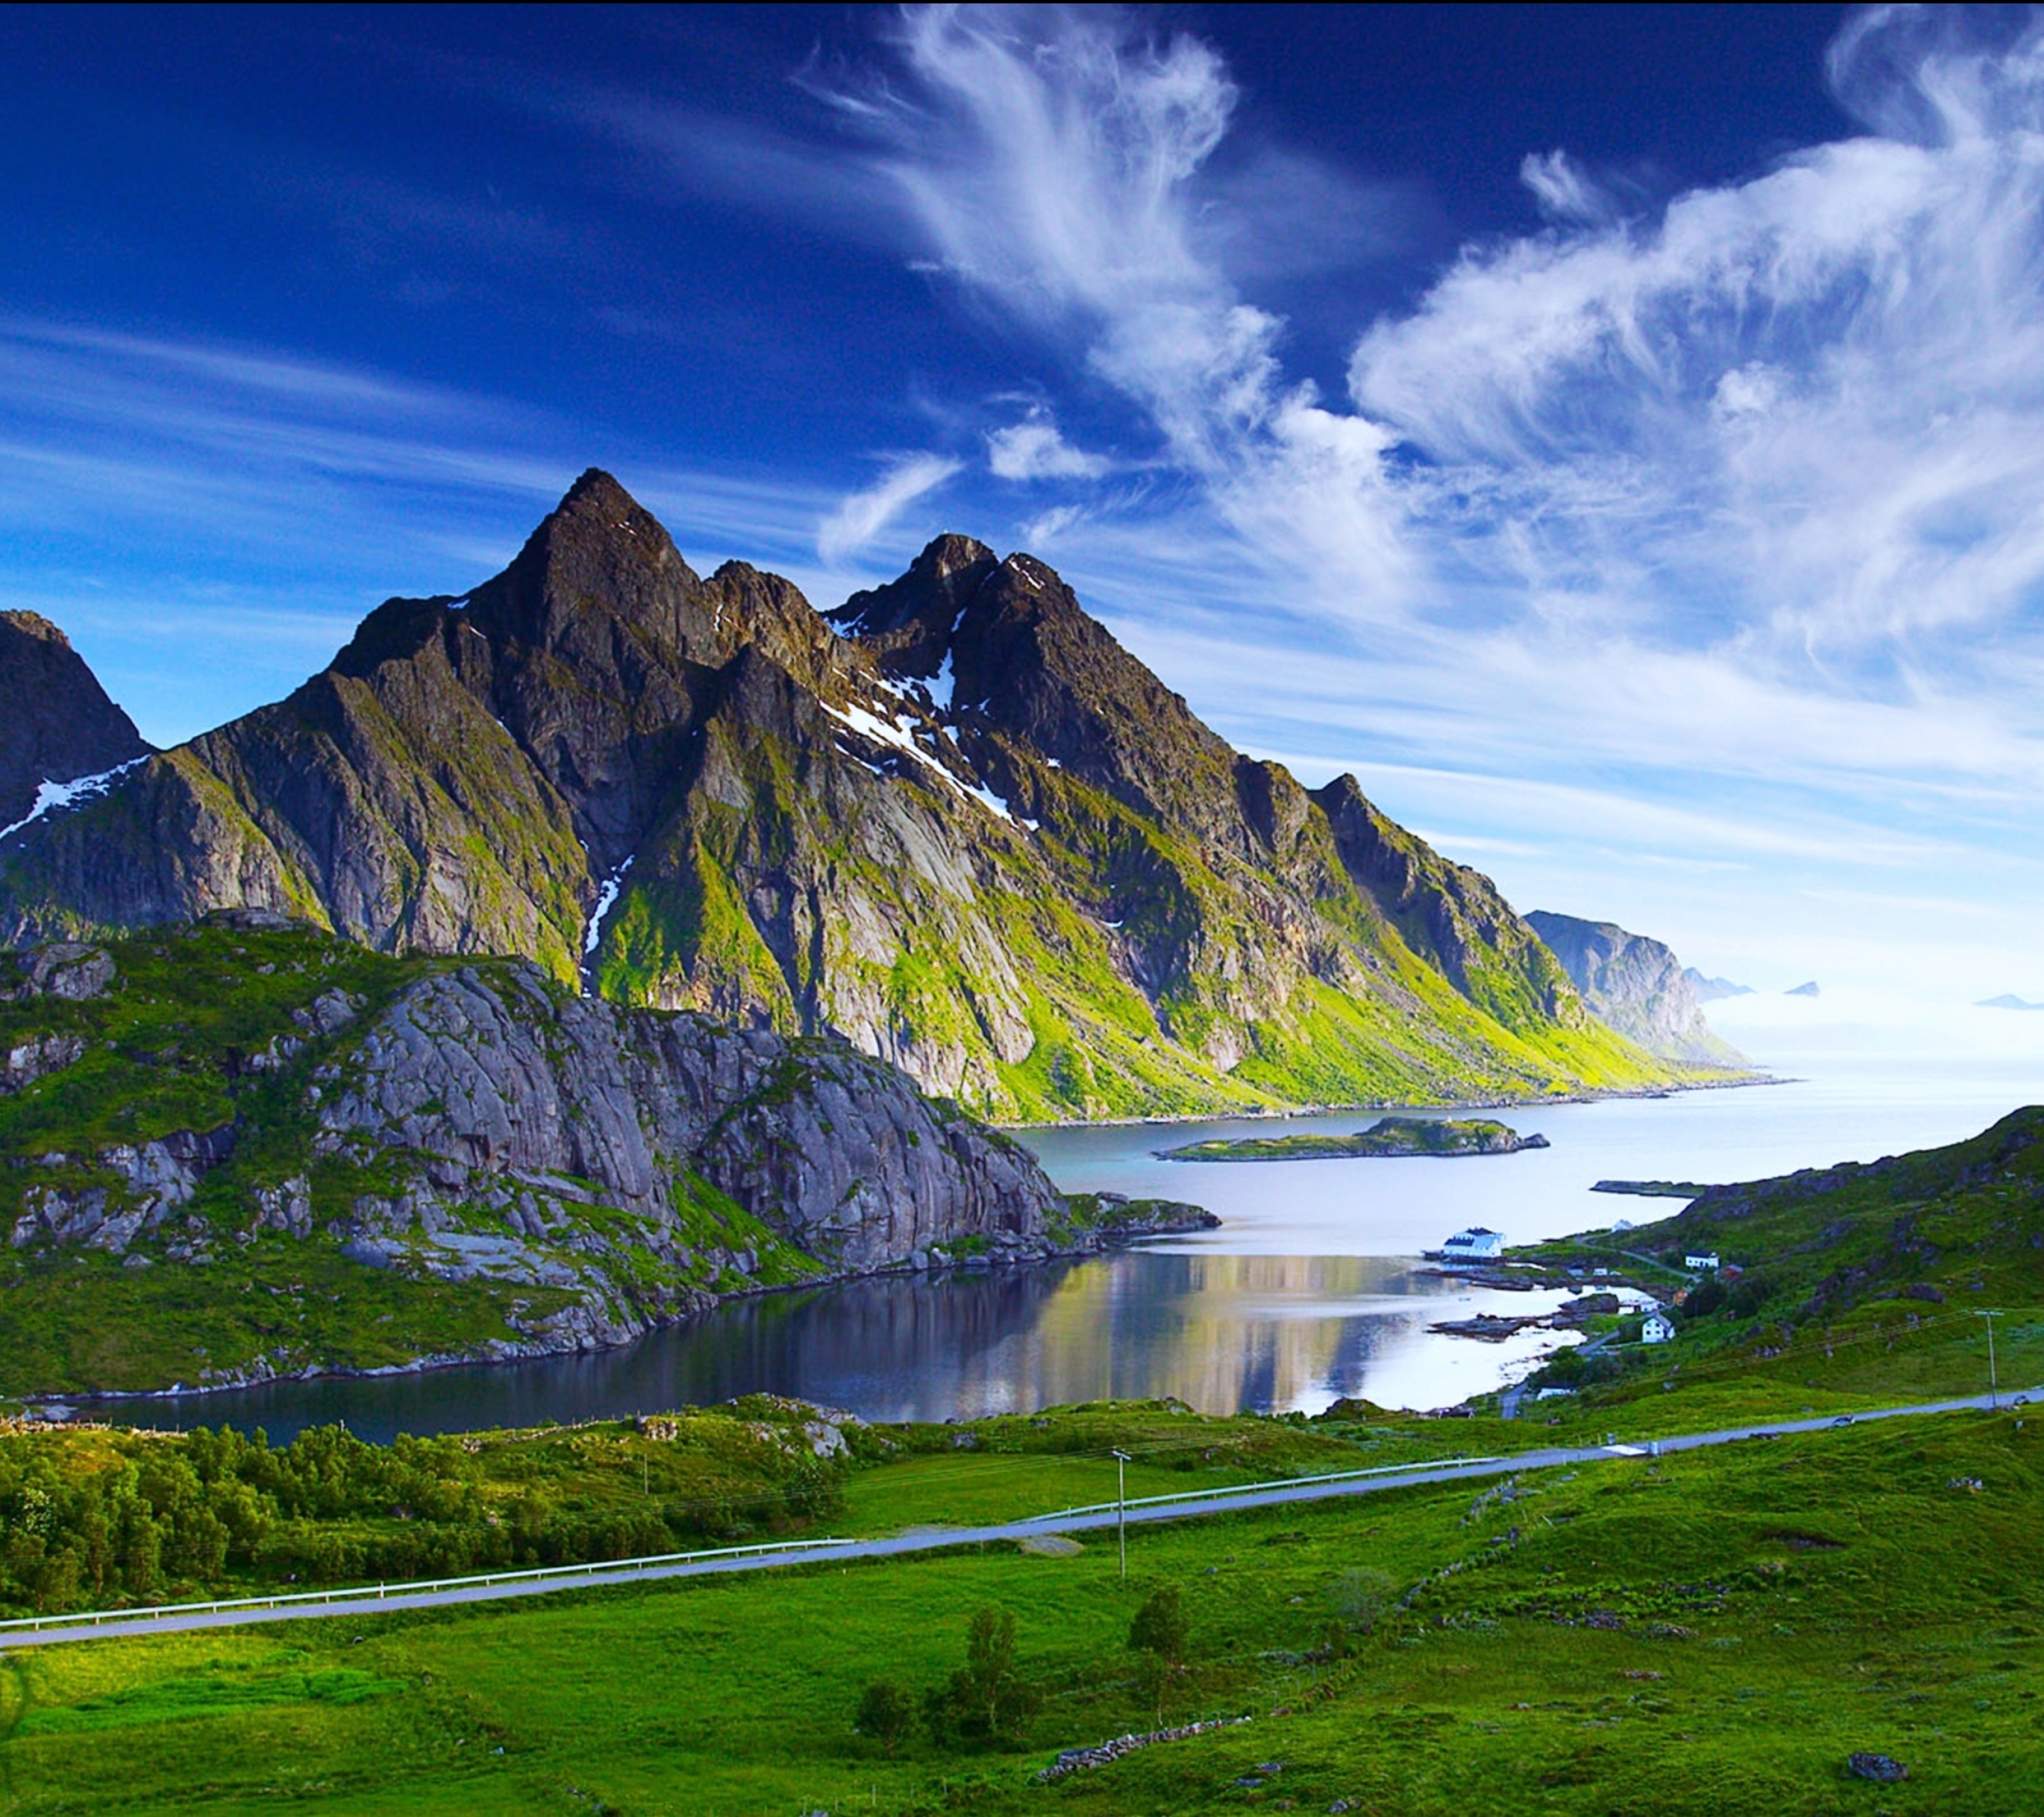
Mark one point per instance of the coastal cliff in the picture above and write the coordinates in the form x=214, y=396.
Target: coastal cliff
x=1636, y=987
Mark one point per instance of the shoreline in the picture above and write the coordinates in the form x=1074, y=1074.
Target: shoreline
x=1616, y=1094
x=975, y=1264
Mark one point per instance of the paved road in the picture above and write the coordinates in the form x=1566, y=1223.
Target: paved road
x=1038, y=1526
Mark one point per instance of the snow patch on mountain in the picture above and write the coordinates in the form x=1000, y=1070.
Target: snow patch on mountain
x=898, y=735
x=606, y=900
x=53, y=797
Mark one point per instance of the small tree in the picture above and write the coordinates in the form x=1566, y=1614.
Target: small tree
x=1357, y=1598
x=986, y=1698
x=1160, y=1634
x=885, y=1713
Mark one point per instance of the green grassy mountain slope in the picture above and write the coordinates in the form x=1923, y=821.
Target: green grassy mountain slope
x=955, y=823
x=1841, y=1287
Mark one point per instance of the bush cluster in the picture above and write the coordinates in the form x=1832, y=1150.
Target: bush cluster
x=142, y=1518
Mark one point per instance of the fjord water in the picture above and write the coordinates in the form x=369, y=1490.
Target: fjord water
x=1308, y=1291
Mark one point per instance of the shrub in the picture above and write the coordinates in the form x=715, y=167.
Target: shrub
x=885, y=1713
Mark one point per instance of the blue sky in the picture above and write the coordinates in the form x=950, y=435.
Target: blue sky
x=1616, y=434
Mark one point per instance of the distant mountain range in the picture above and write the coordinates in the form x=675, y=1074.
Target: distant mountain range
x=1713, y=989
x=2006, y=1001
x=953, y=821
x=1635, y=985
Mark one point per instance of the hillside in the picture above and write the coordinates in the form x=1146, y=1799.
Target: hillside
x=1840, y=1285
x=248, y=1149
x=955, y=822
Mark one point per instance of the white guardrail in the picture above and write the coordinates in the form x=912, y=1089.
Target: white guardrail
x=1278, y=1483
x=378, y=1592
x=313, y=1600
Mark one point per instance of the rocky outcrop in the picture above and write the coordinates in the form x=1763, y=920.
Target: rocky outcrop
x=511, y=1090
x=59, y=725
x=144, y=1183
x=484, y=1125
x=28, y=1060
x=955, y=822
x=60, y=969
x=1635, y=985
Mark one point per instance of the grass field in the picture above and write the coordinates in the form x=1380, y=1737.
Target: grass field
x=1716, y=1632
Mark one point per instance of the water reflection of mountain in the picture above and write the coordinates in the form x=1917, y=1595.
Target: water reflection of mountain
x=1220, y=1332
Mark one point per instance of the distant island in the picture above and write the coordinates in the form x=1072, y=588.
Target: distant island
x=2008, y=999
x=1387, y=1136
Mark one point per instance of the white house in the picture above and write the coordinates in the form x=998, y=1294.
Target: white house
x=1656, y=1328
x=1475, y=1244
x=1706, y=1264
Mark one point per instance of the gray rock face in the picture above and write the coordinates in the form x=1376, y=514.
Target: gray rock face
x=63, y=969
x=522, y=1110
x=1635, y=985
x=485, y=1124
x=59, y=725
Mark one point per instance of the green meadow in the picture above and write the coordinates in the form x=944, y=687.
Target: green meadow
x=1710, y=1632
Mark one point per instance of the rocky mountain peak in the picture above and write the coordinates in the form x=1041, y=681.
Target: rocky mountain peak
x=59, y=725
x=963, y=828
x=600, y=553
x=1034, y=663
x=908, y=622
x=33, y=624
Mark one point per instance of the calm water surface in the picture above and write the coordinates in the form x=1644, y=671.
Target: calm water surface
x=1306, y=1293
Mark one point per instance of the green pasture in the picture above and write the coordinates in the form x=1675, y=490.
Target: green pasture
x=1707, y=1633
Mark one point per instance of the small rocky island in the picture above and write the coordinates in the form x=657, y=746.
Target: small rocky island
x=1387, y=1136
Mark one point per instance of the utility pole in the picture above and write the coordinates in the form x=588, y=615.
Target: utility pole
x=1121, y=1462
x=1993, y=1386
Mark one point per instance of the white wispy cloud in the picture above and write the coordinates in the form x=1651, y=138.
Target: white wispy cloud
x=1034, y=448
x=1747, y=485
x=864, y=516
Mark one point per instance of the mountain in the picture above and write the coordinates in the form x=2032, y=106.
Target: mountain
x=1809, y=989
x=1635, y=985
x=954, y=821
x=1713, y=989
x=2007, y=1000
x=59, y=726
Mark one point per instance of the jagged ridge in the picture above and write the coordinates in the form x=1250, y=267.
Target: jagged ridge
x=956, y=823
